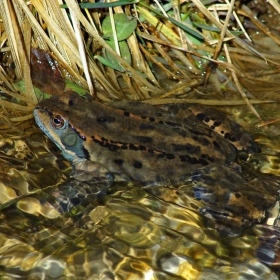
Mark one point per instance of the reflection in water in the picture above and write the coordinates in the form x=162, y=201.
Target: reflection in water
x=126, y=234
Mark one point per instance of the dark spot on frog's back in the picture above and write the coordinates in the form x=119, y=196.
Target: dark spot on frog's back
x=229, y=137
x=137, y=164
x=118, y=161
x=71, y=102
x=142, y=148
x=133, y=147
x=200, y=116
x=193, y=160
x=107, y=119
x=124, y=146
x=191, y=149
x=69, y=96
x=238, y=195
x=170, y=156
x=204, y=141
x=217, y=123
x=217, y=145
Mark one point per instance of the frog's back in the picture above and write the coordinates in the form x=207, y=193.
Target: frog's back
x=141, y=141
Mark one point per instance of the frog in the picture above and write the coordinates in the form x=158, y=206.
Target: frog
x=154, y=146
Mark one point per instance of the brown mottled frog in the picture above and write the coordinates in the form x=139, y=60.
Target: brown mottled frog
x=150, y=145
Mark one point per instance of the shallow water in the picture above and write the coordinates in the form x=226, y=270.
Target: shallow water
x=126, y=234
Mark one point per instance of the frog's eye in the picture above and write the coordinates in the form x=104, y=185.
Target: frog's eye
x=57, y=121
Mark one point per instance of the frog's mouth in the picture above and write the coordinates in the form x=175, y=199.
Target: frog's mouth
x=41, y=118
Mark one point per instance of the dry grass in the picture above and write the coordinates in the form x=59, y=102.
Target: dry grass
x=179, y=41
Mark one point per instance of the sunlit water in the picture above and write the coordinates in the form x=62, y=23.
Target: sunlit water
x=127, y=234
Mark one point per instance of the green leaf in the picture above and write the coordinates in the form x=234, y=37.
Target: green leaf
x=103, y=5
x=124, y=26
x=174, y=21
x=70, y=84
x=125, y=52
x=109, y=63
x=207, y=27
x=113, y=62
x=39, y=94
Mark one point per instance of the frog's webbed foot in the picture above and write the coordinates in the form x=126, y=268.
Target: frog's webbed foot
x=233, y=201
x=88, y=171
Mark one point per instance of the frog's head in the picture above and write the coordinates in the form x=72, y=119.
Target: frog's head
x=57, y=127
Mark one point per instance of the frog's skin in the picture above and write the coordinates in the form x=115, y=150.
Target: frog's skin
x=145, y=144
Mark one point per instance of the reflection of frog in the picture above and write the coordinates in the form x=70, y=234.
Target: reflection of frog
x=148, y=145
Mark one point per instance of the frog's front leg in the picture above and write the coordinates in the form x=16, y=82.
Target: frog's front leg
x=85, y=170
